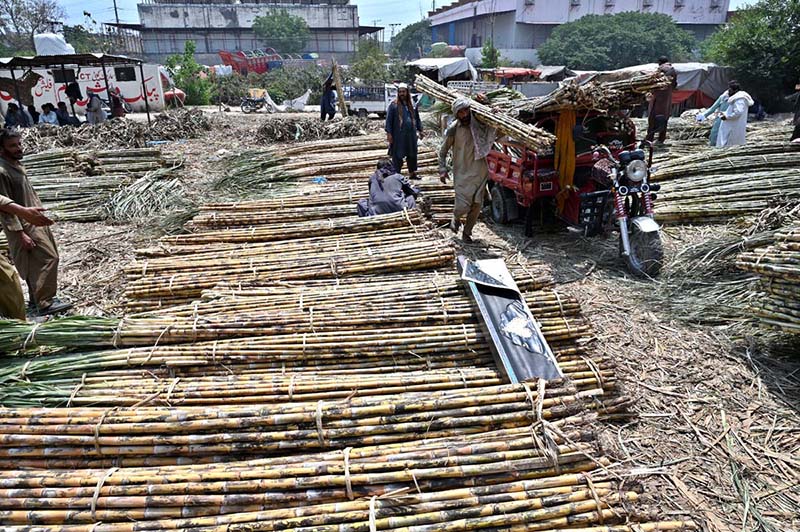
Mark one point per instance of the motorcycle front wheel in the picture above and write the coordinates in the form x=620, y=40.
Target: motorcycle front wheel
x=647, y=253
x=246, y=108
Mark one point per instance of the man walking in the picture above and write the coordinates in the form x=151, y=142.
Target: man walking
x=733, y=128
x=660, y=104
x=470, y=141
x=403, y=128
x=33, y=249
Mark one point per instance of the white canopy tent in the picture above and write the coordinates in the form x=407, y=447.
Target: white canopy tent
x=446, y=67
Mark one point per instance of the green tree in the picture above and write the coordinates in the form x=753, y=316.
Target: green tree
x=281, y=30
x=20, y=20
x=413, y=40
x=762, y=46
x=490, y=56
x=371, y=65
x=86, y=41
x=607, y=42
x=190, y=76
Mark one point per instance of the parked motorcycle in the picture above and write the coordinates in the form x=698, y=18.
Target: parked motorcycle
x=251, y=105
x=628, y=204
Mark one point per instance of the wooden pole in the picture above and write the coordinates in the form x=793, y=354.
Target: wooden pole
x=337, y=80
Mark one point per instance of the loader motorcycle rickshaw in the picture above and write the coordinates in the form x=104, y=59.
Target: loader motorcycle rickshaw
x=601, y=184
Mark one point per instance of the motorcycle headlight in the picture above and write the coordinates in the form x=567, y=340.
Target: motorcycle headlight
x=636, y=170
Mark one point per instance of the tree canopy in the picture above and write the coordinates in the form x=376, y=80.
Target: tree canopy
x=490, y=56
x=279, y=29
x=608, y=42
x=20, y=20
x=413, y=40
x=762, y=46
x=189, y=75
x=371, y=64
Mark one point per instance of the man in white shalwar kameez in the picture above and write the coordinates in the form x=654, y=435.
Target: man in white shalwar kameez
x=734, y=120
x=470, y=142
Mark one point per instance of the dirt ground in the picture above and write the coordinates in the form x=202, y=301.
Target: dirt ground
x=718, y=431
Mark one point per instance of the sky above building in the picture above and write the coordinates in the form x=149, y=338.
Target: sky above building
x=371, y=12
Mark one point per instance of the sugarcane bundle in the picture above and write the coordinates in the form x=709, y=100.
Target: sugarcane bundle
x=189, y=284
x=352, y=485
x=225, y=432
x=296, y=230
x=532, y=137
x=778, y=268
x=718, y=197
x=376, y=303
x=79, y=185
x=595, y=94
x=742, y=159
x=307, y=128
x=254, y=169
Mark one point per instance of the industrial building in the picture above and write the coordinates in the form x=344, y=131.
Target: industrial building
x=523, y=25
x=214, y=25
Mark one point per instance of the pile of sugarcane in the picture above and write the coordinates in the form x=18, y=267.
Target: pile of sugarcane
x=532, y=137
x=595, y=95
x=257, y=169
x=332, y=200
x=322, y=334
x=79, y=186
x=182, y=266
x=719, y=197
x=532, y=478
x=170, y=125
x=305, y=128
x=385, y=301
x=103, y=437
x=744, y=159
x=778, y=268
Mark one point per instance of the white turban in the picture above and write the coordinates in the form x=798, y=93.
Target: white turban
x=461, y=103
x=402, y=86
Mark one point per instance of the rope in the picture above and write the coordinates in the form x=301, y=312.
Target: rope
x=172, y=388
x=596, y=498
x=153, y=350
x=75, y=391
x=98, y=487
x=117, y=334
x=348, y=486
x=31, y=336
x=372, y=526
x=96, y=430
x=594, y=369
x=318, y=416
x=23, y=373
x=291, y=386
x=463, y=377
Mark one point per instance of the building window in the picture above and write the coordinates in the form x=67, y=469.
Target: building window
x=125, y=73
x=63, y=76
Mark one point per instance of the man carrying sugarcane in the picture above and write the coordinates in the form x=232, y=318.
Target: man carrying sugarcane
x=660, y=103
x=470, y=141
x=12, y=302
x=32, y=248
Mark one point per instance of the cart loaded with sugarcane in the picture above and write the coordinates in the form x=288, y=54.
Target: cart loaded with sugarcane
x=572, y=157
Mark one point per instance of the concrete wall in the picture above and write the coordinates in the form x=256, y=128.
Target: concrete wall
x=160, y=44
x=474, y=32
x=215, y=27
x=173, y=16
x=562, y=11
x=551, y=12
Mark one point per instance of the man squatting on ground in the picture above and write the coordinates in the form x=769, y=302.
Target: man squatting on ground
x=32, y=248
x=470, y=142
